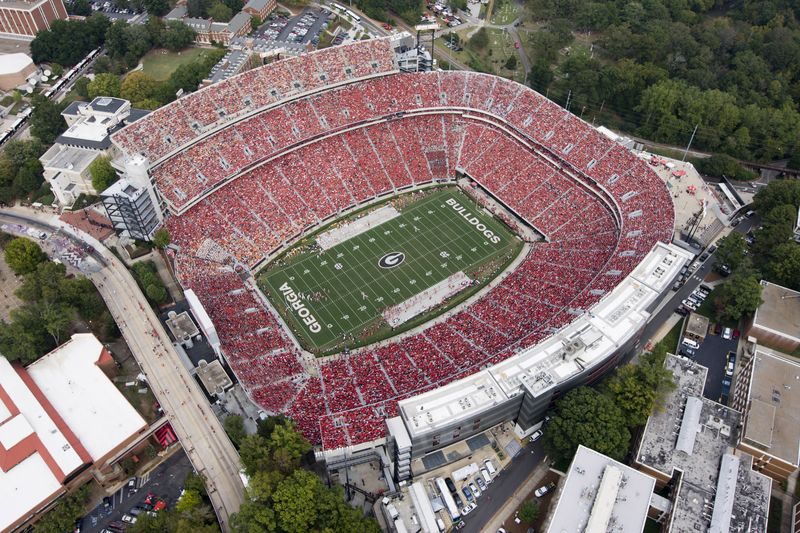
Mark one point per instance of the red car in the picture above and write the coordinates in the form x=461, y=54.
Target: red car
x=387, y=26
x=160, y=506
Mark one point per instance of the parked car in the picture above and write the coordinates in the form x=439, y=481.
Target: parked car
x=468, y=509
x=544, y=489
x=727, y=334
x=129, y=519
x=683, y=311
x=729, y=368
x=536, y=435
x=458, y=500
x=467, y=493
x=481, y=484
x=450, y=485
x=475, y=490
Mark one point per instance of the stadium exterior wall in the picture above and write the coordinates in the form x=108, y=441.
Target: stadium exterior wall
x=523, y=387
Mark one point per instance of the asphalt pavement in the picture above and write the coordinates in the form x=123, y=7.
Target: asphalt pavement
x=165, y=481
x=503, y=487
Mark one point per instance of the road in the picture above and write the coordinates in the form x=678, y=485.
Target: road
x=503, y=487
x=209, y=449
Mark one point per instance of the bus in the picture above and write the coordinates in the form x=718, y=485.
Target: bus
x=455, y=514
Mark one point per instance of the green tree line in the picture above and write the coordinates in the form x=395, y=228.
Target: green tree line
x=659, y=68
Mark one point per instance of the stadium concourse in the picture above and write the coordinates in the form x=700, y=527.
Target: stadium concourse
x=248, y=165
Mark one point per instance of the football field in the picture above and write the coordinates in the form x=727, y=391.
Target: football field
x=335, y=298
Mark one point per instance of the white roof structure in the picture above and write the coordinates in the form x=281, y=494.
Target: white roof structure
x=203, y=319
x=56, y=416
x=13, y=63
x=601, y=494
x=93, y=408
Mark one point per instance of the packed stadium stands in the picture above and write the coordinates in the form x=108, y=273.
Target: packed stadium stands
x=328, y=131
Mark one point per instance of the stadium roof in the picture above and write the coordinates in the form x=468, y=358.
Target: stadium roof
x=601, y=494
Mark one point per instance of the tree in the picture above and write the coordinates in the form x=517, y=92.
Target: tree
x=46, y=120
x=480, y=39
x=138, y=86
x=255, y=22
x=80, y=7
x=739, y=296
x=104, y=85
x=161, y=238
x=637, y=389
x=219, y=12
x=234, y=427
x=68, y=41
x=29, y=177
x=511, y=62
x=784, y=268
x=584, y=416
x=103, y=174
x=295, y=502
x=529, y=511
x=62, y=517
x=731, y=250
x=156, y=294
x=82, y=87
x=177, y=35
x=189, y=500
x=158, y=8
x=23, y=255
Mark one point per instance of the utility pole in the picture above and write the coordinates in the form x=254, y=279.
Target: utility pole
x=690, y=143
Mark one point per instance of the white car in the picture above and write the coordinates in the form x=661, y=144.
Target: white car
x=536, y=435
x=475, y=490
x=727, y=334
x=129, y=519
x=468, y=509
x=544, y=489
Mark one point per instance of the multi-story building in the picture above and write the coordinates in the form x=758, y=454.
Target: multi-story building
x=259, y=8
x=776, y=322
x=25, y=18
x=601, y=494
x=66, y=163
x=62, y=423
x=689, y=446
x=768, y=394
x=207, y=31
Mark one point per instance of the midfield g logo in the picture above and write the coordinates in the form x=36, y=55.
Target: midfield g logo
x=391, y=260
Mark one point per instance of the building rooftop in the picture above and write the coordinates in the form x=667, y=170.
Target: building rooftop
x=697, y=325
x=601, y=494
x=773, y=418
x=692, y=435
x=91, y=405
x=13, y=63
x=213, y=377
x=780, y=311
x=182, y=326
x=71, y=158
x=107, y=104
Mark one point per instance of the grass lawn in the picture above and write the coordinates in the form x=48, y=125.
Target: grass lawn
x=492, y=59
x=344, y=290
x=670, y=340
x=161, y=63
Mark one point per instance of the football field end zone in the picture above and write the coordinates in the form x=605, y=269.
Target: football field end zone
x=353, y=228
x=426, y=300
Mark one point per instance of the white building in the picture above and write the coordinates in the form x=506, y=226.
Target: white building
x=61, y=419
x=66, y=163
x=601, y=494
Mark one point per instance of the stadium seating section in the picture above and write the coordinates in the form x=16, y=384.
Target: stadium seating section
x=357, y=129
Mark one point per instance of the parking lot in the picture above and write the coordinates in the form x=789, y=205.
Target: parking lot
x=165, y=482
x=713, y=354
x=303, y=28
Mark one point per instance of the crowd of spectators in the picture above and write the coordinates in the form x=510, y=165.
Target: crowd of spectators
x=600, y=208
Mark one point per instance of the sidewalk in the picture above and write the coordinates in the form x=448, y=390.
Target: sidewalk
x=519, y=496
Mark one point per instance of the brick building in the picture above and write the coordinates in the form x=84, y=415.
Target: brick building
x=24, y=18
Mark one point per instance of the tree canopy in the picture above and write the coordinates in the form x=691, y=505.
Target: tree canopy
x=638, y=389
x=585, y=416
x=62, y=517
x=69, y=41
x=282, y=496
x=103, y=174
x=23, y=255
x=46, y=120
x=738, y=297
x=105, y=84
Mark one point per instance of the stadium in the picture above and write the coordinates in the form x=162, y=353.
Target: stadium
x=342, y=142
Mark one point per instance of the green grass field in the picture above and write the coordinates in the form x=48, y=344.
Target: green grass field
x=344, y=290
x=160, y=63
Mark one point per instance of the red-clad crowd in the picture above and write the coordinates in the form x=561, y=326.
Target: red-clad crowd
x=305, y=161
